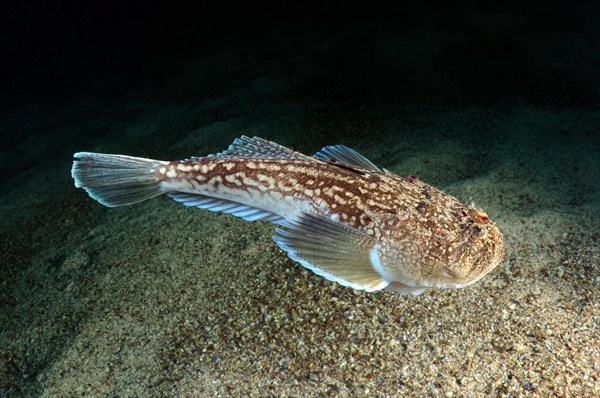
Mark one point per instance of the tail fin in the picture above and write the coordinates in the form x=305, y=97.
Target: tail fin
x=116, y=180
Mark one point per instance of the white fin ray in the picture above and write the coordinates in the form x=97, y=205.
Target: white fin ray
x=248, y=213
x=259, y=148
x=343, y=154
x=116, y=180
x=330, y=249
x=221, y=206
x=264, y=216
x=244, y=211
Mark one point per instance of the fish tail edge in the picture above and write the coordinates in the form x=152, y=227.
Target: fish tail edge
x=116, y=180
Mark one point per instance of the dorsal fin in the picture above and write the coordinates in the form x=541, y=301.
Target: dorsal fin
x=257, y=147
x=343, y=154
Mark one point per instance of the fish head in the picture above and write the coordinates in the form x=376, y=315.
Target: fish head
x=447, y=256
x=477, y=251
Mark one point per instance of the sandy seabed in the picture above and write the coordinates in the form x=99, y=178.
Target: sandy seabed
x=157, y=299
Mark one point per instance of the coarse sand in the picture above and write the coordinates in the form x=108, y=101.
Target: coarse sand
x=157, y=299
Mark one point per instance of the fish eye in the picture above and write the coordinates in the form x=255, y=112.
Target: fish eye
x=478, y=231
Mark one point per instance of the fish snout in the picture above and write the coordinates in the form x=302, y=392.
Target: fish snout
x=482, y=251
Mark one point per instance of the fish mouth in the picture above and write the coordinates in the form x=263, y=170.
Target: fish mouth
x=447, y=280
x=472, y=277
x=439, y=285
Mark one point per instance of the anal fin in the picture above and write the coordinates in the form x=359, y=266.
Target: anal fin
x=244, y=211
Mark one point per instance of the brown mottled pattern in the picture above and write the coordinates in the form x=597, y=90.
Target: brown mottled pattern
x=422, y=232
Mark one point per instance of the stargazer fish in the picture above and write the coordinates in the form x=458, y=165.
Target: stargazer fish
x=337, y=213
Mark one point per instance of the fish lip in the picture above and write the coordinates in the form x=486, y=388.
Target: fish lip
x=438, y=284
x=411, y=283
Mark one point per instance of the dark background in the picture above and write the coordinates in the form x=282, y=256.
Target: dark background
x=543, y=52
x=69, y=66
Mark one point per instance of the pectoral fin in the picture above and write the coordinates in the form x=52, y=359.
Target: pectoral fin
x=331, y=249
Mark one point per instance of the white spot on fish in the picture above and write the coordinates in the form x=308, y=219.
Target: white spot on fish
x=206, y=168
x=216, y=180
x=339, y=199
x=183, y=167
x=233, y=178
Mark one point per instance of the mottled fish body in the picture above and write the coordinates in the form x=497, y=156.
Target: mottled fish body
x=337, y=213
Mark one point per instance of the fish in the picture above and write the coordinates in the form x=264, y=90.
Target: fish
x=336, y=213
